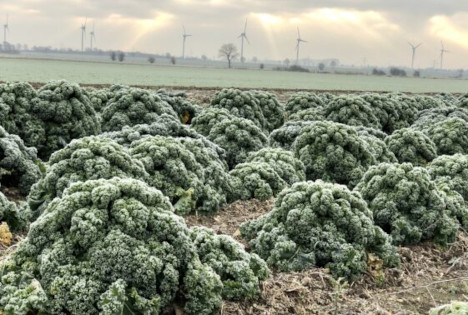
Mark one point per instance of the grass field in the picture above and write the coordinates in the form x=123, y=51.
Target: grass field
x=33, y=70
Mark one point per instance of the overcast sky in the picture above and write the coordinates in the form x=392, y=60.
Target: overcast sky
x=377, y=31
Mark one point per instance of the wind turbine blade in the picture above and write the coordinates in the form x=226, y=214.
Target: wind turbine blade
x=183, y=27
x=298, y=34
x=418, y=45
x=245, y=25
x=247, y=39
x=240, y=36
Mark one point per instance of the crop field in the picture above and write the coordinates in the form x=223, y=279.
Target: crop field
x=34, y=70
x=129, y=200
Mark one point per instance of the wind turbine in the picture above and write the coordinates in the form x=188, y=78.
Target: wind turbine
x=413, y=47
x=243, y=36
x=92, y=36
x=184, y=36
x=442, y=51
x=299, y=41
x=83, y=34
x=5, y=29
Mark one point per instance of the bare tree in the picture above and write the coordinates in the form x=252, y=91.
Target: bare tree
x=121, y=56
x=229, y=51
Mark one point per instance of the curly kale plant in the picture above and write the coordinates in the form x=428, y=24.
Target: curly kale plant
x=319, y=224
x=133, y=106
x=242, y=104
x=19, y=165
x=290, y=169
x=376, y=144
x=407, y=204
x=387, y=111
x=302, y=101
x=180, y=174
x=83, y=159
x=452, y=169
x=255, y=180
x=239, y=271
x=352, y=110
x=66, y=114
x=450, y=135
x=309, y=114
x=428, y=117
x=271, y=108
x=99, y=98
x=208, y=118
x=333, y=152
x=462, y=101
x=108, y=247
x=412, y=146
x=11, y=214
x=185, y=109
x=285, y=136
x=239, y=137
x=15, y=112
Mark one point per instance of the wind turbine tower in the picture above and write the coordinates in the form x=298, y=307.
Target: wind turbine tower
x=442, y=52
x=184, y=37
x=298, y=45
x=92, y=36
x=243, y=36
x=413, y=47
x=83, y=34
x=5, y=29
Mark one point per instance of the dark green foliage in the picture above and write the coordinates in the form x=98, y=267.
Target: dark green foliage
x=376, y=144
x=239, y=137
x=285, y=136
x=290, y=169
x=447, y=98
x=15, y=112
x=302, y=101
x=12, y=215
x=309, y=114
x=449, y=135
x=65, y=113
x=407, y=110
x=133, y=106
x=333, y=152
x=452, y=169
x=272, y=110
x=19, y=165
x=428, y=117
x=82, y=159
x=462, y=101
x=407, y=204
x=242, y=104
x=239, y=271
x=192, y=176
x=352, y=110
x=319, y=224
x=387, y=111
x=111, y=246
x=255, y=180
x=99, y=97
x=208, y=118
x=184, y=108
x=412, y=146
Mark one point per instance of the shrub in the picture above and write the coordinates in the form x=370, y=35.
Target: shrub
x=110, y=247
x=319, y=224
x=255, y=180
x=208, y=118
x=352, y=110
x=301, y=101
x=238, y=137
x=133, y=106
x=285, y=136
x=407, y=204
x=180, y=175
x=15, y=112
x=412, y=146
x=239, y=271
x=333, y=152
x=242, y=104
x=82, y=159
x=185, y=109
x=272, y=110
x=283, y=162
x=450, y=135
x=453, y=169
x=66, y=114
x=19, y=165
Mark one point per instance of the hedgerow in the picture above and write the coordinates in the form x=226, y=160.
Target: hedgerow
x=65, y=113
x=108, y=247
x=133, y=106
x=412, y=146
x=319, y=224
x=407, y=204
x=82, y=159
x=19, y=165
x=239, y=137
x=255, y=180
x=333, y=152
